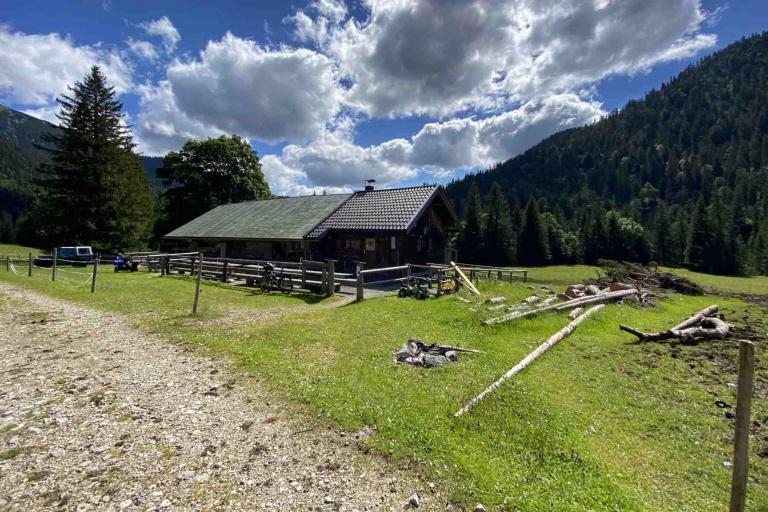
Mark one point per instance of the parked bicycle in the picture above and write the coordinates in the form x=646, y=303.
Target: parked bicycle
x=271, y=280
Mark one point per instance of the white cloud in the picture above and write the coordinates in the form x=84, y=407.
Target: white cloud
x=143, y=49
x=439, y=149
x=34, y=69
x=439, y=58
x=161, y=125
x=164, y=29
x=270, y=95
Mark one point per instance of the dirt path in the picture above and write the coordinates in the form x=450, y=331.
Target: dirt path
x=96, y=415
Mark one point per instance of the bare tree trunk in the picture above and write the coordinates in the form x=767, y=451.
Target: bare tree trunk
x=684, y=329
x=551, y=342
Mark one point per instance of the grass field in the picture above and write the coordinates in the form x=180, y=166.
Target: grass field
x=598, y=423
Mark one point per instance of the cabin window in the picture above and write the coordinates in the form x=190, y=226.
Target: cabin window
x=393, y=242
x=370, y=244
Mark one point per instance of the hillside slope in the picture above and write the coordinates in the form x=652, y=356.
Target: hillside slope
x=704, y=134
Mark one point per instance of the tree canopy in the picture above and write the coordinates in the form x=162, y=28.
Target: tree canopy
x=206, y=174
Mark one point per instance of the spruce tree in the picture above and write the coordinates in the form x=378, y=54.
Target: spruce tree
x=701, y=240
x=498, y=237
x=95, y=190
x=662, y=235
x=533, y=246
x=471, y=237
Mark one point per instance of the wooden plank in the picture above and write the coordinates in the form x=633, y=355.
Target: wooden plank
x=466, y=280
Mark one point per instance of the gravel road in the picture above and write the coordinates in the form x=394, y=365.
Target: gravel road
x=96, y=415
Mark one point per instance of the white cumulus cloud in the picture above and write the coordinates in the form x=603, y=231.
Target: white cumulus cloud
x=439, y=58
x=266, y=94
x=36, y=68
x=164, y=29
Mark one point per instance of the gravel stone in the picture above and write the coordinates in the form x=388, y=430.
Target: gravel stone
x=110, y=418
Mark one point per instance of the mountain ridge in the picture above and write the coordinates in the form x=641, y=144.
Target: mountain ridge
x=703, y=134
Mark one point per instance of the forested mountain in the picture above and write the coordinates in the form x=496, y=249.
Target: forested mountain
x=21, y=136
x=680, y=177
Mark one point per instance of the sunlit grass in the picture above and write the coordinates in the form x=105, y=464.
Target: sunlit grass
x=599, y=423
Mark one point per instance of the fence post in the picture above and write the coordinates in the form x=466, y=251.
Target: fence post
x=29, y=271
x=224, y=269
x=439, y=283
x=331, y=284
x=7, y=263
x=54, y=264
x=303, y=274
x=360, y=292
x=741, y=435
x=95, y=271
x=197, y=281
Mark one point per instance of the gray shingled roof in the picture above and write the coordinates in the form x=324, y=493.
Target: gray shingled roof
x=378, y=210
x=289, y=218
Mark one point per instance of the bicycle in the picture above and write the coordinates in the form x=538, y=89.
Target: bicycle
x=270, y=280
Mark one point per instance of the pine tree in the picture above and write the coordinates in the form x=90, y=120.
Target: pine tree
x=533, y=246
x=471, y=237
x=498, y=238
x=95, y=191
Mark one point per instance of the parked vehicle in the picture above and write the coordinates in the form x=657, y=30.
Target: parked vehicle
x=270, y=280
x=125, y=265
x=77, y=256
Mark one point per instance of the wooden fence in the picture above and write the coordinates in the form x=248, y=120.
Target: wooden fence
x=478, y=272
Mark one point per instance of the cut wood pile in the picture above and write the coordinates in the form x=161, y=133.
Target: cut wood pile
x=417, y=353
x=703, y=325
x=649, y=278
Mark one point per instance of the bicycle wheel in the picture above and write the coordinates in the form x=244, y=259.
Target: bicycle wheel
x=286, y=285
x=265, y=284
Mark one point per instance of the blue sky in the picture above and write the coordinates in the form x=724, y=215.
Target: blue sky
x=332, y=92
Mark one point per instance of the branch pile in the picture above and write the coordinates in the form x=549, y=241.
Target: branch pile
x=417, y=353
x=650, y=278
x=702, y=325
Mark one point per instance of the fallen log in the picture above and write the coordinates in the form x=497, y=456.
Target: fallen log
x=530, y=300
x=700, y=325
x=548, y=300
x=551, y=342
x=575, y=312
x=570, y=304
x=496, y=300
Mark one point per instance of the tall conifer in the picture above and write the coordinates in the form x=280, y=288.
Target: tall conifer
x=95, y=191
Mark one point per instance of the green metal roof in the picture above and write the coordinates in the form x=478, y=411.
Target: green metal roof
x=289, y=218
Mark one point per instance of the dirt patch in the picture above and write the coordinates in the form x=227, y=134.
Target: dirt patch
x=96, y=415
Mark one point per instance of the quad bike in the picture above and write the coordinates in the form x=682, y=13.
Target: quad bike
x=415, y=287
x=122, y=265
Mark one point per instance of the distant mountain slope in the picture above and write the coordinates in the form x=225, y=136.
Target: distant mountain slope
x=21, y=129
x=704, y=134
